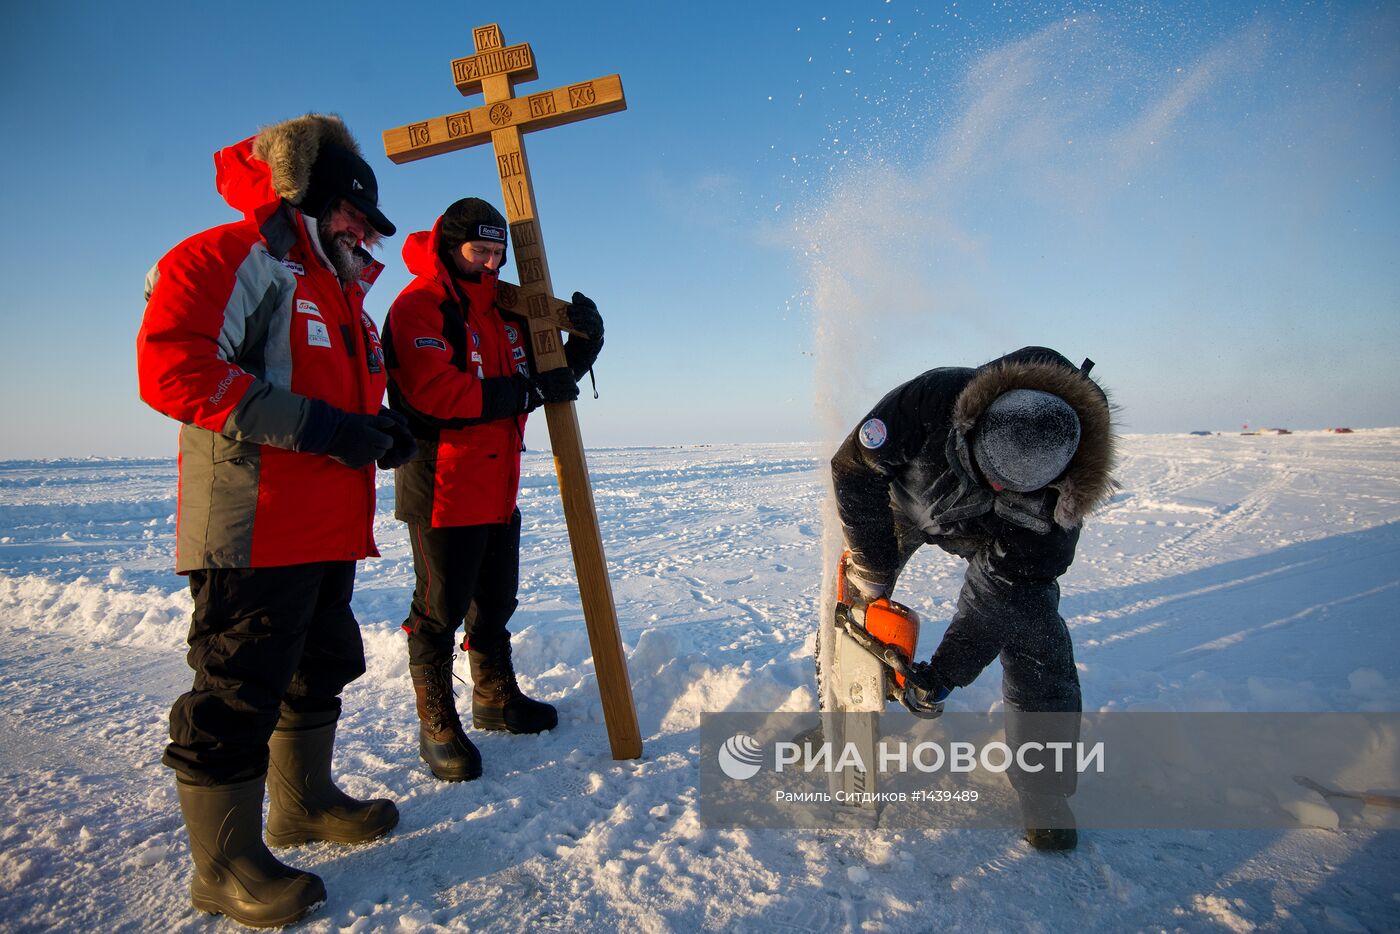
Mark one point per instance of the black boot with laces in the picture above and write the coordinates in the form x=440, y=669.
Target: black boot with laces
x=442, y=743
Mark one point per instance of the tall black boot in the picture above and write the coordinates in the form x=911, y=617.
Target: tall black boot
x=442, y=742
x=234, y=873
x=497, y=702
x=306, y=805
x=1049, y=822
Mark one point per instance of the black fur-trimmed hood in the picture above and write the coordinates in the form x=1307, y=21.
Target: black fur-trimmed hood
x=1087, y=482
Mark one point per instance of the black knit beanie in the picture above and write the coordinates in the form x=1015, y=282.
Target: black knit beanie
x=471, y=219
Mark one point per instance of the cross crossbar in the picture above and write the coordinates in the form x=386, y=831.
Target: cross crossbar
x=474, y=127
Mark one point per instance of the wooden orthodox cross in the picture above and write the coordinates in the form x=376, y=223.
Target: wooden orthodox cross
x=493, y=70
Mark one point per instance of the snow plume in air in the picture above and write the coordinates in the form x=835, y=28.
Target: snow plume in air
x=908, y=242
x=927, y=217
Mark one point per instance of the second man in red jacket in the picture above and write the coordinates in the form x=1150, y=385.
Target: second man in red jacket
x=461, y=370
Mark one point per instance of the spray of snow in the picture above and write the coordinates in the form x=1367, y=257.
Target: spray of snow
x=889, y=241
x=891, y=245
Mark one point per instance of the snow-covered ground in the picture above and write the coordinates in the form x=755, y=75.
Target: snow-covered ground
x=1231, y=573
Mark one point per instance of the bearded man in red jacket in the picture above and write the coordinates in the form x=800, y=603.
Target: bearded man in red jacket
x=462, y=373
x=256, y=339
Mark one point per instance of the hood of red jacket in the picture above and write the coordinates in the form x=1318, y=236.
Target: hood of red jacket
x=420, y=255
x=245, y=181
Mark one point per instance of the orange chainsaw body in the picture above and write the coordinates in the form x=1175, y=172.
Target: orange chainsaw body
x=892, y=623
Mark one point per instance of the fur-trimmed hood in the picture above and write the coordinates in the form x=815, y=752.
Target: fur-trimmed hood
x=290, y=148
x=1087, y=482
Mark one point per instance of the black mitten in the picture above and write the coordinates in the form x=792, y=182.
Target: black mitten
x=581, y=352
x=353, y=439
x=506, y=397
x=556, y=385
x=404, y=445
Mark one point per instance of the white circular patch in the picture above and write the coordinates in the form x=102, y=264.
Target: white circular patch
x=873, y=434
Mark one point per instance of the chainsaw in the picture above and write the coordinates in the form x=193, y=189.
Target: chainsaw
x=890, y=632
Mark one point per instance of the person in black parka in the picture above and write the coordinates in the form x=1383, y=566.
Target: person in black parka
x=998, y=465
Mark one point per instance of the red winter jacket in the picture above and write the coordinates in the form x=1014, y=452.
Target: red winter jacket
x=244, y=324
x=467, y=470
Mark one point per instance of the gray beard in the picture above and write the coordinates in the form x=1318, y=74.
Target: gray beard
x=348, y=261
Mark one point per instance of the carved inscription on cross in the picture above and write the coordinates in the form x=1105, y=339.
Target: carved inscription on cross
x=493, y=70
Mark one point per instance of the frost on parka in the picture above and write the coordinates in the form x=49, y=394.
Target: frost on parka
x=912, y=482
x=244, y=324
x=920, y=476
x=443, y=337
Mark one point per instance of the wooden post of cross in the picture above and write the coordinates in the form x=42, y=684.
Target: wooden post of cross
x=493, y=70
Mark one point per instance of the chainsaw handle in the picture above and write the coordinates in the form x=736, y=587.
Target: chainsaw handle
x=886, y=653
x=920, y=693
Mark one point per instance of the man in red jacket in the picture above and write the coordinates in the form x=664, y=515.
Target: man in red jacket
x=256, y=339
x=460, y=370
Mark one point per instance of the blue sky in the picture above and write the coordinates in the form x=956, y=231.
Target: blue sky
x=803, y=205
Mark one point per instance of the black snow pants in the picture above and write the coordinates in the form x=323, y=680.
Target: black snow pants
x=1009, y=606
x=261, y=640
x=467, y=572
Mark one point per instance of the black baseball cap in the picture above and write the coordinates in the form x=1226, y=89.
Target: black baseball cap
x=340, y=173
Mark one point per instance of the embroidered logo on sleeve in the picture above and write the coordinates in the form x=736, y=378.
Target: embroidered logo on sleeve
x=873, y=434
x=430, y=342
x=517, y=353
x=317, y=335
x=224, y=384
x=374, y=350
x=296, y=268
x=512, y=334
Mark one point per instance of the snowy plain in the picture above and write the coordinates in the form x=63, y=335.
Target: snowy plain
x=1231, y=573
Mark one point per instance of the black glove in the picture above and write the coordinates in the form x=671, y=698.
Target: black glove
x=360, y=440
x=353, y=439
x=581, y=352
x=535, y=398
x=404, y=446
x=555, y=385
x=507, y=397
x=924, y=692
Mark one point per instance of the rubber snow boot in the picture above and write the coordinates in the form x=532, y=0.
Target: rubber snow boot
x=497, y=701
x=305, y=804
x=442, y=743
x=1049, y=822
x=234, y=872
